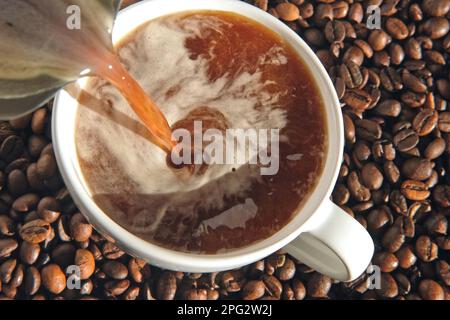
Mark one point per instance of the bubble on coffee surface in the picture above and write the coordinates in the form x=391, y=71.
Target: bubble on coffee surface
x=185, y=62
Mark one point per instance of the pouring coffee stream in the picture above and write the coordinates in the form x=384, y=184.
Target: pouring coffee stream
x=43, y=47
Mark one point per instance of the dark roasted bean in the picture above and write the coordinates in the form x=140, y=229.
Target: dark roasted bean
x=388, y=286
x=426, y=249
x=318, y=286
x=431, y=290
x=417, y=169
x=425, y=121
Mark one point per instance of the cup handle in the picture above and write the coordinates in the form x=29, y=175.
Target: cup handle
x=335, y=244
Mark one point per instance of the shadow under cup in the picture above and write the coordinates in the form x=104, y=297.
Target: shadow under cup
x=64, y=124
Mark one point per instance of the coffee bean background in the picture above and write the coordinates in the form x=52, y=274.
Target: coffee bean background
x=394, y=86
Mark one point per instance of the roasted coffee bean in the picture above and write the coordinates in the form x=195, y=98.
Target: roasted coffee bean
x=53, y=278
x=17, y=276
x=84, y=259
x=286, y=271
x=356, y=188
x=378, y=39
x=334, y=31
x=48, y=209
x=318, y=286
x=372, y=176
x=17, y=183
x=299, y=289
x=413, y=83
x=415, y=190
x=273, y=286
x=11, y=148
x=396, y=28
x=436, y=8
x=393, y=239
x=323, y=13
x=29, y=252
x=388, y=286
x=79, y=228
x=35, y=231
x=6, y=270
x=443, y=86
x=115, y=270
x=391, y=171
x=349, y=128
x=116, y=287
x=7, y=246
x=381, y=59
x=38, y=121
x=378, y=218
x=6, y=226
x=443, y=271
x=397, y=53
x=340, y=9
x=368, y=130
x=287, y=11
x=195, y=294
x=436, y=27
x=417, y=169
x=426, y=249
x=441, y=194
x=315, y=37
x=444, y=121
x=431, y=290
x=46, y=166
x=354, y=55
x=425, y=121
x=404, y=285
x=36, y=182
x=166, y=286
x=262, y=4
x=406, y=257
x=341, y=195
x=413, y=100
x=253, y=290
x=391, y=80
x=361, y=151
x=356, y=12
x=443, y=242
x=435, y=149
x=351, y=74
x=135, y=267
x=406, y=225
x=111, y=251
x=389, y=108
x=436, y=224
x=32, y=281
x=406, y=140
x=357, y=99
x=26, y=202
x=415, y=12
x=365, y=48
x=387, y=261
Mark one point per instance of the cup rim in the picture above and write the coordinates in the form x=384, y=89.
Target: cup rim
x=192, y=262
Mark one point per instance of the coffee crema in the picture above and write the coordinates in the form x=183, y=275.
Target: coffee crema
x=189, y=63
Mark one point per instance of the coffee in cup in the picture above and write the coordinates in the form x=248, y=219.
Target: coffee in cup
x=213, y=74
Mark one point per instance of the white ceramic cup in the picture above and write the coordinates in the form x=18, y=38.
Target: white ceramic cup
x=321, y=235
